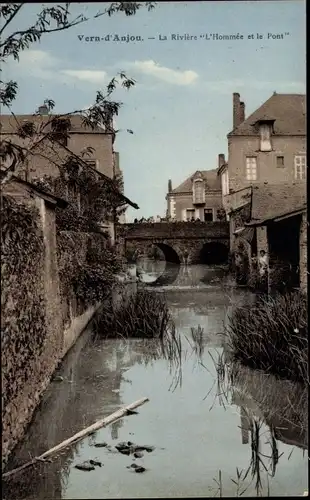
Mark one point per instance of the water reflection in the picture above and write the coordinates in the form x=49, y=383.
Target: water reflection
x=161, y=273
x=201, y=416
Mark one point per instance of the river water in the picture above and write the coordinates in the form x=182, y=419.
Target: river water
x=198, y=426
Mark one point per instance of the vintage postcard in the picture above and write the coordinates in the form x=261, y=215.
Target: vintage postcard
x=154, y=249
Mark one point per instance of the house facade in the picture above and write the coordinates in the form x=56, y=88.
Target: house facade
x=268, y=147
x=266, y=169
x=198, y=197
x=95, y=146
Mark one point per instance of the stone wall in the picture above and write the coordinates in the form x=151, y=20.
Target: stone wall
x=303, y=253
x=267, y=170
x=41, y=316
x=31, y=333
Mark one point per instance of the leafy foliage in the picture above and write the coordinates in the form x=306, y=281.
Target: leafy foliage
x=87, y=266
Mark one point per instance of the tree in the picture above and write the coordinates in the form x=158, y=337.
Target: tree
x=53, y=130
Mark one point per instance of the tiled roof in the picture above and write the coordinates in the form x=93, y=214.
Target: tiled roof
x=213, y=182
x=270, y=201
x=288, y=111
x=9, y=124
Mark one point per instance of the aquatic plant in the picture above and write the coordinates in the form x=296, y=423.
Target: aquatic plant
x=145, y=315
x=272, y=335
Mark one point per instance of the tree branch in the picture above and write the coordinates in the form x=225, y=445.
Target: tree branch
x=11, y=17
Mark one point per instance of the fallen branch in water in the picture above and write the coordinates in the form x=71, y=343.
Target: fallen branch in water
x=122, y=412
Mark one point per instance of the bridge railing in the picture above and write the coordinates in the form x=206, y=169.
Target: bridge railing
x=146, y=230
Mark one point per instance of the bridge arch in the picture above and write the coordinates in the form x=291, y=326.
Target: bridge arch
x=171, y=254
x=214, y=253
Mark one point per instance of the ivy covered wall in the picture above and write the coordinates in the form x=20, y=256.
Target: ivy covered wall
x=28, y=354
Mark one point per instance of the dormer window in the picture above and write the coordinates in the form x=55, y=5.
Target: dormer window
x=265, y=131
x=198, y=191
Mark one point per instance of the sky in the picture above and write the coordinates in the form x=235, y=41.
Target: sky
x=180, y=110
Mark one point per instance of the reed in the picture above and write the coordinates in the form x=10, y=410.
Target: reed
x=145, y=315
x=272, y=335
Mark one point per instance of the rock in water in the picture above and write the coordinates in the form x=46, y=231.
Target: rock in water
x=86, y=466
x=95, y=463
x=138, y=454
x=123, y=448
x=100, y=445
x=144, y=448
x=140, y=469
x=125, y=451
x=132, y=466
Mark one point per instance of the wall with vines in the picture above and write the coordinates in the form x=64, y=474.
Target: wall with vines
x=87, y=266
x=27, y=363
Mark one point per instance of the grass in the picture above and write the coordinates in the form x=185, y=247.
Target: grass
x=272, y=335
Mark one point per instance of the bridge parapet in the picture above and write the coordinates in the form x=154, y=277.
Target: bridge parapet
x=167, y=230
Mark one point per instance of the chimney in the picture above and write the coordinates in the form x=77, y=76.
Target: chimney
x=221, y=160
x=242, y=112
x=43, y=110
x=169, y=186
x=236, y=110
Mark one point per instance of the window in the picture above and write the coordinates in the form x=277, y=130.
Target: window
x=251, y=168
x=198, y=191
x=265, y=133
x=208, y=215
x=225, y=183
x=280, y=161
x=190, y=214
x=300, y=167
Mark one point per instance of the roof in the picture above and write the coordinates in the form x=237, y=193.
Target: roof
x=269, y=201
x=210, y=176
x=9, y=124
x=287, y=110
x=30, y=187
x=278, y=216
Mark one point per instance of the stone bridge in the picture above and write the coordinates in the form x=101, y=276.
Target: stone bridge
x=180, y=242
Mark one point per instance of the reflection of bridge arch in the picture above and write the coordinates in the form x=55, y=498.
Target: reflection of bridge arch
x=173, y=258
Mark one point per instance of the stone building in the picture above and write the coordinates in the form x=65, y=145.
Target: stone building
x=269, y=146
x=95, y=146
x=198, y=197
x=266, y=169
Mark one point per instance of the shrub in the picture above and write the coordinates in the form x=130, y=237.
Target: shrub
x=272, y=335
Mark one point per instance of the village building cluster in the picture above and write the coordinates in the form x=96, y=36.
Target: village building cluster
x=260, y=189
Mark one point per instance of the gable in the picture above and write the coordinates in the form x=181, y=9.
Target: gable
x=209, y=176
